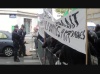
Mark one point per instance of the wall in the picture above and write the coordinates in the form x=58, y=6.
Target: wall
x=29, y=10
x=93, y=10
x=93, y=15
x=6, y=22
x=20, y=20
x=34, y=23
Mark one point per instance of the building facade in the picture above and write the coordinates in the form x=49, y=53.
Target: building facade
x=9, y=18
x=93, y=15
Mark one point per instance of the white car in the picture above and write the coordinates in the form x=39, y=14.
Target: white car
x=91, y=26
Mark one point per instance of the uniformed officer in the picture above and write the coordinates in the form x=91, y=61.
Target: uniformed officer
x=22, y=34
x=15, y=38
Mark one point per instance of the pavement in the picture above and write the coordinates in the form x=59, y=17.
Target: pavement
x=31, y=59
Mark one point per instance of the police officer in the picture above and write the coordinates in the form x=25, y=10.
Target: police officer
x=24, y=47
x=15, y=38
x=22, y=34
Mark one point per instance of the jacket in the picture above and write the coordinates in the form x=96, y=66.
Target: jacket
x=22, y=35
x=15, y=38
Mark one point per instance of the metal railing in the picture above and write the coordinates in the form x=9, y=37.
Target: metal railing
x=45, y=55
x=40, y=52
x=50, y=58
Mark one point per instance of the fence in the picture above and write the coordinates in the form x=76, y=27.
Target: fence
x=45, y=55
x=40, y=52
x=50, y=57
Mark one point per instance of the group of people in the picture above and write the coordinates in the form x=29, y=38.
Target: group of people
x=18, y=36
x=94, y=42
x=71, y=56
x=63, y=52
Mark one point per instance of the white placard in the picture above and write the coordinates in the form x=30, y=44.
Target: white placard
x=70, y=30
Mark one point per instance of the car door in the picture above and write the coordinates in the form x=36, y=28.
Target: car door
x=3, y=40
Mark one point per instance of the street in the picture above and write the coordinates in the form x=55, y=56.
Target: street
x=31, y=59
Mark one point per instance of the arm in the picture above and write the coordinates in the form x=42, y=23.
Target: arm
x=57, y=47
x=20, y=33
x=44, y=45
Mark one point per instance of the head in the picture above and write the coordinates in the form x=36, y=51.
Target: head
x=97, y=28
x=22, y=27
x=16, y=27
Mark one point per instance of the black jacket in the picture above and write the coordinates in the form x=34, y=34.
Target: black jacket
x=50, y=42
x=57, y=47
x=71, y=56
x=15, y=38
x=98, y=34
x=40, y=37
x=47, y=43
x=22, y=35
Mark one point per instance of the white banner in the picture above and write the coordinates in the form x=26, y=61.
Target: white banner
x=47, y=13
x=70, y=30
x=41, y=25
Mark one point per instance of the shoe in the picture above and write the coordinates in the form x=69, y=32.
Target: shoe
x=16, y=60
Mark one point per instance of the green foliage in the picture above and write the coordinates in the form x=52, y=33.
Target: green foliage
x=61, y=10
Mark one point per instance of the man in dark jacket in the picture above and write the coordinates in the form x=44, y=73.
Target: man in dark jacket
x=22, y=34
x=49, y=42
x=71, y=56
x=15, y=38
x=97, y=43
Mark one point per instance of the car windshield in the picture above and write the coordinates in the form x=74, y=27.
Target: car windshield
x=9, y=34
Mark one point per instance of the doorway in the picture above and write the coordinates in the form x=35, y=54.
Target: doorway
x=27, y=24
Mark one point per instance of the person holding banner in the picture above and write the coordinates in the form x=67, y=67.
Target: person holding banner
x=71, y=56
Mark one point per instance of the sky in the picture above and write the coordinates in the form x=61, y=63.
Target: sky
x=39, y=10
x=31, y=10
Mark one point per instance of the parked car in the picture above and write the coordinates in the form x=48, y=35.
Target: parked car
x=6, y=43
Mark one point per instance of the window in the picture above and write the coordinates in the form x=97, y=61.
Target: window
x=2, y=36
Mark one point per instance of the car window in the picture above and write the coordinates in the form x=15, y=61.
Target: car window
x=3, y=36
x=91, y=27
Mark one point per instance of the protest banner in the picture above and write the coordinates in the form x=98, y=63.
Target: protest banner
x=47, y=13
x=69, y=30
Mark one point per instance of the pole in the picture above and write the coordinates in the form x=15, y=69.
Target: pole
x=86, y=40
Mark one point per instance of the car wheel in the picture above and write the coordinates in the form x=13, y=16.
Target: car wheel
x=8, y=51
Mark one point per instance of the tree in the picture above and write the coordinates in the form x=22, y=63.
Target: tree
x=61, y=10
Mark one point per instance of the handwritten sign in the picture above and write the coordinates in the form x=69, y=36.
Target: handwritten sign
x=70, y=29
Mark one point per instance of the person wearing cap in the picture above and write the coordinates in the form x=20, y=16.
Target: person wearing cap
x=15, y=39
x=22, y=34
